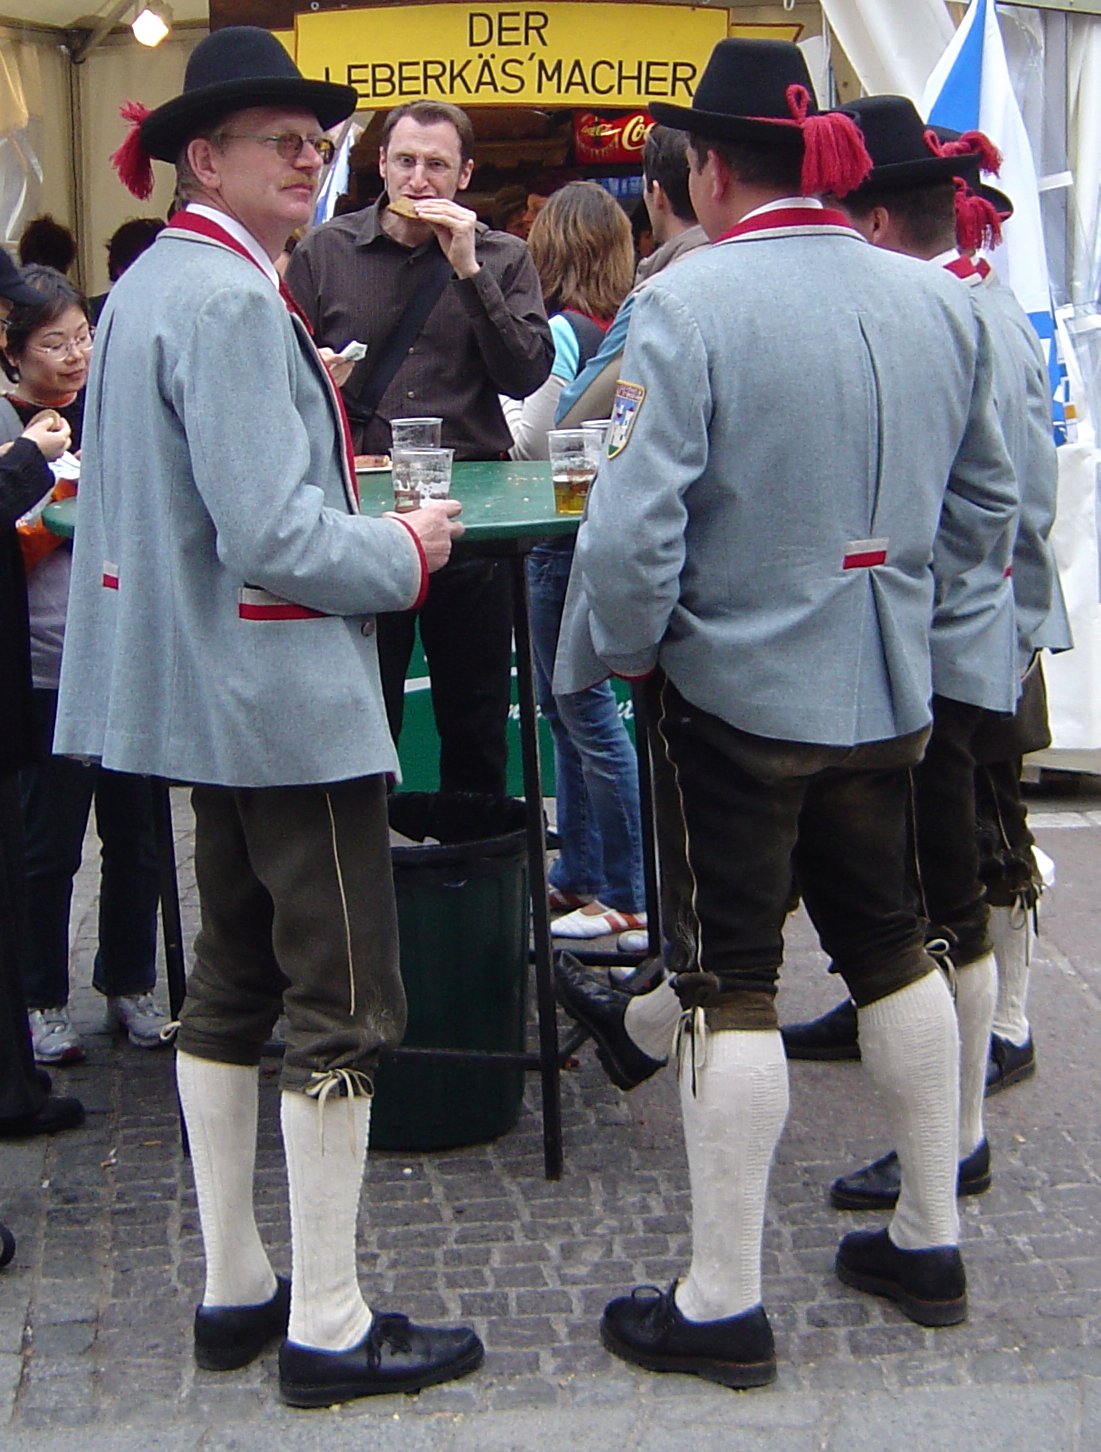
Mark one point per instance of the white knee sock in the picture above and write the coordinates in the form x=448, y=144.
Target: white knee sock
x=220, y=1109
x=325, y=1176
x=976, y=989
x=731, y=1127
x=910, y=1045
x=651, y=1018
x=1011, y=931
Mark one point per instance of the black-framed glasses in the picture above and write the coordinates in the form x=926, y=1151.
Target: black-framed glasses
x=289, y=144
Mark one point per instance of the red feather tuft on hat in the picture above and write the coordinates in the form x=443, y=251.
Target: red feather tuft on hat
x=132, y=162
x=977, y=222
x=835, y=159
x=970, y=143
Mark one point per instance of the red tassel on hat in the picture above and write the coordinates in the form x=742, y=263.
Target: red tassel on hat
x=970, y=143
x=132, y=162
x=977, y=222
x=835, y=159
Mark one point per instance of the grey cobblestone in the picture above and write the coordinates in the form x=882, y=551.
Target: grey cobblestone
x=96, y=1310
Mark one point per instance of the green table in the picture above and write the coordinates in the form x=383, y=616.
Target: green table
x=507, y=508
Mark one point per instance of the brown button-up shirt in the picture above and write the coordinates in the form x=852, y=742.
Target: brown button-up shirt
x=487, y=334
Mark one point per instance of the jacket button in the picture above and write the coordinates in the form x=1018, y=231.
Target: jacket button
x=367, y=628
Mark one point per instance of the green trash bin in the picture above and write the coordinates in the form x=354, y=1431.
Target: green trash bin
x=463, y=910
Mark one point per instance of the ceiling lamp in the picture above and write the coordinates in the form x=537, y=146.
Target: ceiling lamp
x=152, y=24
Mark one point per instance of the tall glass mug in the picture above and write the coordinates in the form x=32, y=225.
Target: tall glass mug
x=406, y=434
x=600, y=427
x=428, y=472
x=574, y=459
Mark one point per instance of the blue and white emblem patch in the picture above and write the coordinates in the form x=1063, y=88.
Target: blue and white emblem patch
x=628, y=401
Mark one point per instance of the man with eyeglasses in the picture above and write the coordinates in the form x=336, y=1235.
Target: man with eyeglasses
x=363, y=276
x=224, y=595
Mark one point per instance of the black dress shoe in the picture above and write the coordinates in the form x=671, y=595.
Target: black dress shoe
x=647, y=1328
x=833, y=1036
x=7, y=1245
x=876, y=1186
x=1009, y=1063
x=58, y=1112
x=228, y=1337
x=601, y=1010
x=929, y=1286
x=394, y=1356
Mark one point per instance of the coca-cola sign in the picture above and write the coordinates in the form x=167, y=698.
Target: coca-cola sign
x=614, y=139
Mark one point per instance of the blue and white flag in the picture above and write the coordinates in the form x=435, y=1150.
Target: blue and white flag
x=970, y=90
x=335, y=180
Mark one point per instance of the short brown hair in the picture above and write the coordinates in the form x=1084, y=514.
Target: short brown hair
x=779, y=166
x=427, y=113
x=581, y=246
x=924, y=216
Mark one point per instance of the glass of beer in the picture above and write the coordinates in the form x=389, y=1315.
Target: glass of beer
x=406, y=434
x=428, y=473
x=574, y=458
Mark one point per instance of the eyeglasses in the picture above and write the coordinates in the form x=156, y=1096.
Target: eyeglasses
x=82, y=343
x=289, y=144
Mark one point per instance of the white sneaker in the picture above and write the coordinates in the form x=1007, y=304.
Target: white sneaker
x=53, y=1037
x=139, y=1015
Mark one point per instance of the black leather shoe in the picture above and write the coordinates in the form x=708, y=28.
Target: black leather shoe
x=647, y=1328
x=394, y=1356
x=601, y=1010
x=1009, y=1063
x=228, y=1337
x=58, y=1112
x=7, y=1245
x=876, y=1186
x=929, y=1286
x=833, y=1036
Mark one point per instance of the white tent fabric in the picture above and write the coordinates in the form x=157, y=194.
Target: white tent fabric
x=892, y=44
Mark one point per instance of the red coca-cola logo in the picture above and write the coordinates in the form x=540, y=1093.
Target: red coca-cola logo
x=610, y=138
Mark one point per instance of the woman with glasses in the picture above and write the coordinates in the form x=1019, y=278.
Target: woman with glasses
x=46, y=355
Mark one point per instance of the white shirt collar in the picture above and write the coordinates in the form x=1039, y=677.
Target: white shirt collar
x=239, y=234
x=783, y=203
x=944, y=259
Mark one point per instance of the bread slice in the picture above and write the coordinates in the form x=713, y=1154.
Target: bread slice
x=403, y=207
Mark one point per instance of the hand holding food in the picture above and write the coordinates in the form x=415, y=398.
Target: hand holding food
x=50, y=432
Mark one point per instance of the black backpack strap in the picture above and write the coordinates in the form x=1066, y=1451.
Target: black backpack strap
x=381, y=370
x=589, y=335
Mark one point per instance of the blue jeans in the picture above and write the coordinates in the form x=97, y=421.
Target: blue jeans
x=57, y=797
x=596, y=770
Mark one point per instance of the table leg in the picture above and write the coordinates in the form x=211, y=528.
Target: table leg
x=537, y=877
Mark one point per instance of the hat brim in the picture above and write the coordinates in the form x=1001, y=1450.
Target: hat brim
x=166, y=130
x=721, y=127
x=18, y=291
x=997, y=199
x=929, y=172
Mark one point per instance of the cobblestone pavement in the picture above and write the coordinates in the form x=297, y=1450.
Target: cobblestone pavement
x=95, y=1311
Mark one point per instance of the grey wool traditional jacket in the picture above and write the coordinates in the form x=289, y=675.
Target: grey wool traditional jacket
x=808, y=507
x=221, y=614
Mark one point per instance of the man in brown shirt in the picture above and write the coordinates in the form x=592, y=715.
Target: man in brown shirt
x=486, y=335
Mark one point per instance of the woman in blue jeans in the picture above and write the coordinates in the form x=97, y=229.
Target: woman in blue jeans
x=581, y=246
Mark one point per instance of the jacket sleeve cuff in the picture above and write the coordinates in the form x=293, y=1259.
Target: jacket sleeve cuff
x=422, y=586
x=632, y=667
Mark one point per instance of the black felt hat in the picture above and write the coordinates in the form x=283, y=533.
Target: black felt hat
x=905, y=152
x=971, y=169
x=760, y=91
x=231, y=70
x=743, y=94
x=12, y=285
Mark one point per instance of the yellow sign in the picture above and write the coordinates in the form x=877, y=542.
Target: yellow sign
x=573, y=54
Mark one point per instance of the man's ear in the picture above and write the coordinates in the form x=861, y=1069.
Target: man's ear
x=202, y=157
